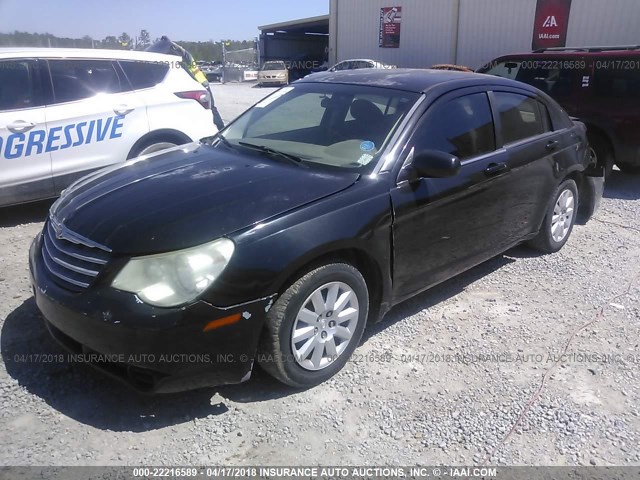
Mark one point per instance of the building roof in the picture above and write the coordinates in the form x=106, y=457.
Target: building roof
x=318, y=24
x=412, y=80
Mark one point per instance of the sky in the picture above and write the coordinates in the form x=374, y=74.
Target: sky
x=178, y=19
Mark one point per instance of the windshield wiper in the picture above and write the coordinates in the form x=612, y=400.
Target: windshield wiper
x=275, y=153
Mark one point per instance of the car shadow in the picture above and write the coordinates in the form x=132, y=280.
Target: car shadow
x=439, y=293
x=25, y=213
x=40, y=365
x=522, y=251
x=622, y=186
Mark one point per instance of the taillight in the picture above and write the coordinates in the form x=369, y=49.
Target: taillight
x=199, y=96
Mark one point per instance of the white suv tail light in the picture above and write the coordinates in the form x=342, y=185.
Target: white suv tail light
x=200, y=96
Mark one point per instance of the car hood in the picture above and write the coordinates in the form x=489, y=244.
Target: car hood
x=188, y=196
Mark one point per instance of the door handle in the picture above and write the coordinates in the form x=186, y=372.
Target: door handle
x=20, y=126
x=551, y=145
x=495, y=168
x=123, y=109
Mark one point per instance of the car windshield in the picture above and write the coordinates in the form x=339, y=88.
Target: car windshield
x=273, y=66
x=324, y=125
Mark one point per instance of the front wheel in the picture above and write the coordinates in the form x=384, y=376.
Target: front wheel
x=315, y=325
x=559, y=220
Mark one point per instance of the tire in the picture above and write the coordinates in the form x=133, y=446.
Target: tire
x=601, y=150
x=151, y=147
x=630, y=169
x=287, y=360
x=555, y=231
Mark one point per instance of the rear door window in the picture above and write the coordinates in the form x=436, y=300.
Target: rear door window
x=521, y=117
x=20, y=85
x=144, y=74
x=79, y=79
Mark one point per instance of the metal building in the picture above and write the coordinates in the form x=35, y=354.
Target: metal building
x=420, y=33
x=307, y=37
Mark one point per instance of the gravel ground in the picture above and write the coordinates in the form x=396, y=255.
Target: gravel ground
x=441, y=380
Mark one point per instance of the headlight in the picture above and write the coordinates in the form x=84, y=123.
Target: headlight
x=281, y=75
x=175, y=278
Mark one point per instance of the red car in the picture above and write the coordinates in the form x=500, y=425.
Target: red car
x=598, y=85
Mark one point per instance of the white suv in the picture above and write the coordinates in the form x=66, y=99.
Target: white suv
x=66, y=112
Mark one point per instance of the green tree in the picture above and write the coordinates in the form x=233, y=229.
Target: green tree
x=87, y=42
x=110, y=42
x=209, y=51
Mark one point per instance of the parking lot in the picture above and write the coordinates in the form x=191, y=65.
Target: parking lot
x=441, y=380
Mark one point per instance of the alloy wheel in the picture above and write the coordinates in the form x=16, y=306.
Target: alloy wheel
x=324, y=325
x=562, y=215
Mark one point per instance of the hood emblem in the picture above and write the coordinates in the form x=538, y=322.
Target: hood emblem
x=63, y=233
x=57, y=228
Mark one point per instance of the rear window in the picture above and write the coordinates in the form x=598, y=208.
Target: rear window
x=144, y=74
x=79, y=79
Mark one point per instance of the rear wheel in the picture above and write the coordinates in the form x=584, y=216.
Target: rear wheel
x=559, y=220
x=315, y=325
x=601, y=151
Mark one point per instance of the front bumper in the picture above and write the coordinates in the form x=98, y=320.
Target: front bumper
x=154, y=350
x=273, y=81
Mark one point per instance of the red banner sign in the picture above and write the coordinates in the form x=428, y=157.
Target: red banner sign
x=552, y=20
x=390, y=18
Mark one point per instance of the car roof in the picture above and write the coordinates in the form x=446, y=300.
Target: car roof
x=362, y=60
x=411, y=80
x=84, y=53
x=578, y=51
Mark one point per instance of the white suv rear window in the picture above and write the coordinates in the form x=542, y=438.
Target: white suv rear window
x=144, y=74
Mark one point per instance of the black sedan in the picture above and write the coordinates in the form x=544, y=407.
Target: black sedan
x=315, y=212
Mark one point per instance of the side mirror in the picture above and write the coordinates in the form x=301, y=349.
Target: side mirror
x=435, y=164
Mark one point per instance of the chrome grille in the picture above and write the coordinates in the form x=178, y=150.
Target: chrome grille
x=73, y=261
